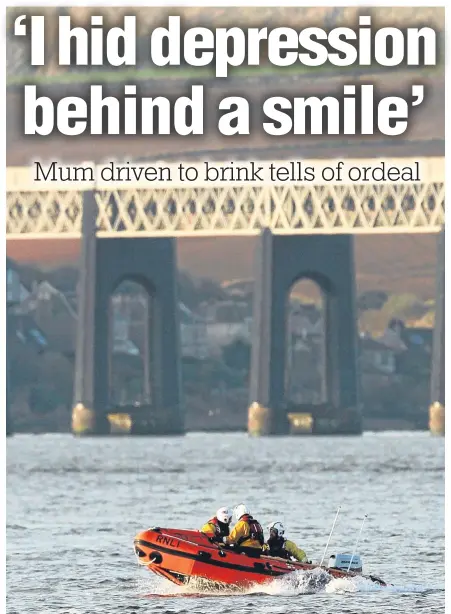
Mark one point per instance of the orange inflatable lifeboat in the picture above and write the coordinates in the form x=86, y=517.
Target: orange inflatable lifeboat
x=180, y=555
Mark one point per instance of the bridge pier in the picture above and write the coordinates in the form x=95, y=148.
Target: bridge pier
x=105, y=263
x=437, y=407
x=9, y=422
x=281, y=261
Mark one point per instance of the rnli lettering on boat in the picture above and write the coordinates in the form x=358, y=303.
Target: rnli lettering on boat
x=168, y=541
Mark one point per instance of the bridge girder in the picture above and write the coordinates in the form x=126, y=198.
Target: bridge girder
x=134, y=210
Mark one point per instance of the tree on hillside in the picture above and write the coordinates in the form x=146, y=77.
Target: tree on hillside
x=404, y=306
x=208, y=289
x=64, y=279
x=372, y=299
x=29, y=275
x=237, y=355
x=187, y=290
x=193, y=292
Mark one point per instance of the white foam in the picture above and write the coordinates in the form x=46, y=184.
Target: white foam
x=157, y=586
x=319, y=581
x=296, y=583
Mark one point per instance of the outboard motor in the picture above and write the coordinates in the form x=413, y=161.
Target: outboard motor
x=341, y=562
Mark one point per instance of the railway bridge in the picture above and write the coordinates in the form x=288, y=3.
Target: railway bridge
x=305, y=230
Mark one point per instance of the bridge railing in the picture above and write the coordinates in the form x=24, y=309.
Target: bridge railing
x=54, y=210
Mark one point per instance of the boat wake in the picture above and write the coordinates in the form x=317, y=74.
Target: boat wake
x=291, y=585
x=319, y=581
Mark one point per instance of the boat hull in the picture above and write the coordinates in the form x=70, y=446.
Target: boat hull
x=181, y=555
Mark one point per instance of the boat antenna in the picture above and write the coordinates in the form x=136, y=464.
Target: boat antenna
x=330, y=535
x=357, y=541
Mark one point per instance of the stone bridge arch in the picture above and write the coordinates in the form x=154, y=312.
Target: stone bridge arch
x=282, y=261
x=152, y=263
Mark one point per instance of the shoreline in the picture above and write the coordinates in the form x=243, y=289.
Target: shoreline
x=370, y=426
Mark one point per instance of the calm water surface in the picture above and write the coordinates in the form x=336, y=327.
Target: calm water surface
x=75, y=505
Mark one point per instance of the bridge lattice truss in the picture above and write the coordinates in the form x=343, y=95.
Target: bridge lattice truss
x=235, y=210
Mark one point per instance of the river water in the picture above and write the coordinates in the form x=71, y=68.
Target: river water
x=75, y=505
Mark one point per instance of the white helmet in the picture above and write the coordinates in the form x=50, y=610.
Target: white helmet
x=224, y=515
x=277, y=528
x=241, y=510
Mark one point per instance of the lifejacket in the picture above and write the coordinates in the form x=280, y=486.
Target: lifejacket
x=277, y=548
x=255, y=530
x=221, y=529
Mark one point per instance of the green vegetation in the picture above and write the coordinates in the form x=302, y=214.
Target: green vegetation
x=407, y=307
x=169, y=73
x=403, y=306
x=188, y=72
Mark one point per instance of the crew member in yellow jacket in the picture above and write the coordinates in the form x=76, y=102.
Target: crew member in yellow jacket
x=277, y=545
x=218, y=527
x=247, y=535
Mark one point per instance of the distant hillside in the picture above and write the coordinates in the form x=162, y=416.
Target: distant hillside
x=297, y=17
x=395, y=263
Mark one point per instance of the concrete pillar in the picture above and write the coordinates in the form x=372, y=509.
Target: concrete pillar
x=8, y=416
x=261, y=414
x=437, y=407
x=105, y=264
x=147, y=358
x=85, y=419
x=282, y=261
